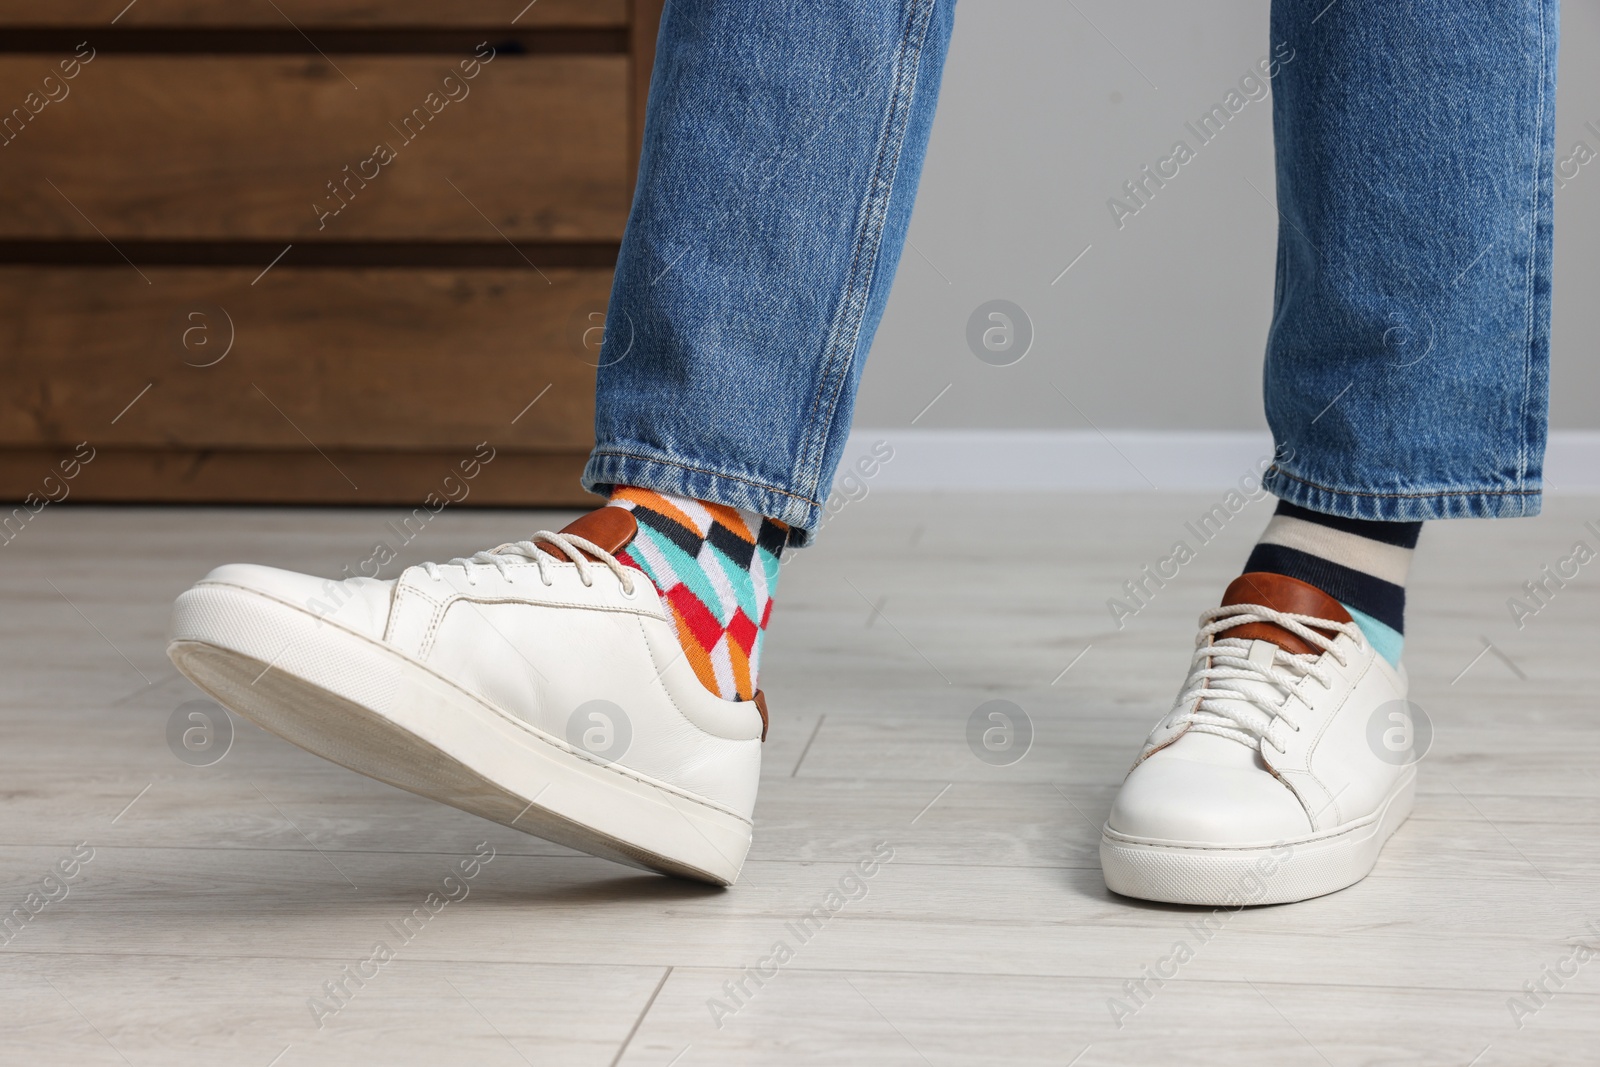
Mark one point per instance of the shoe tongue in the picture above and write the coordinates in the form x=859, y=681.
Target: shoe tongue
x=608, y=528
x=1287, y=595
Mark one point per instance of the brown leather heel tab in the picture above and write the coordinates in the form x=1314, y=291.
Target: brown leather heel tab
x=609, y=528
x=760, y=700
x=1285, y=594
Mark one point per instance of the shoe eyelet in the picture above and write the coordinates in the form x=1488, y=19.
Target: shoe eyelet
x=630, y=591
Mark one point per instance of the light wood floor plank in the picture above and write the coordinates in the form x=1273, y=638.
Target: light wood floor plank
x=220, y=898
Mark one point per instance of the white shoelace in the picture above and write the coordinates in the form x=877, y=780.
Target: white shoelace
x=1234, y=696
x=570, y=545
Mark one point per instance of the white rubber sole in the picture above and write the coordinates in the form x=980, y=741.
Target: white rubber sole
x=367, y=707
x=1268, y=874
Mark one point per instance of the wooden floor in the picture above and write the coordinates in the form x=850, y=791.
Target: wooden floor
x=220, y=900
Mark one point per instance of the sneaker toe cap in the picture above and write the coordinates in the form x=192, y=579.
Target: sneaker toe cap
x=359, y=604
x=1171, y=799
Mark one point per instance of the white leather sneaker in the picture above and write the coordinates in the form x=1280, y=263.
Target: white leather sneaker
x=1262, y=786
x=538, y=684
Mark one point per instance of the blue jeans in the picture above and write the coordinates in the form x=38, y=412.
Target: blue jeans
x=1407, y=362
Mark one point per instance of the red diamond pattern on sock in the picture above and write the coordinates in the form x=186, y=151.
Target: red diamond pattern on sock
x=743, y=631
x=702, y=624
x=716, y=567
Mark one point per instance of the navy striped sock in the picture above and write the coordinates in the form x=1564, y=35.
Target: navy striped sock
x=1360, y=563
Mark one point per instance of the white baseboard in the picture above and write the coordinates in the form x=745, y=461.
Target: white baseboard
x=1121, y=460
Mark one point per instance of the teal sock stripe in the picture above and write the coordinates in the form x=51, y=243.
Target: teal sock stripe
x=1386, y=639
x=688, y=571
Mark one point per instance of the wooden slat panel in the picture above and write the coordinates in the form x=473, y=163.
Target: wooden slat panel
x=646, y=27
x=128, y=475
x=494, y=252
x=349, y=359
x=243, y=147
x=327, y=41
x=312, y=13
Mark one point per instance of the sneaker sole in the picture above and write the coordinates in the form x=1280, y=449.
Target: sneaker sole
x=376, y=711
x=1267, y=874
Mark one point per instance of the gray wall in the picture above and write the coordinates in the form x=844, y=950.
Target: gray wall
x=1161, y=324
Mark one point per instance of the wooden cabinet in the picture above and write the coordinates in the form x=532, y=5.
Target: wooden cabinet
x=310, y=252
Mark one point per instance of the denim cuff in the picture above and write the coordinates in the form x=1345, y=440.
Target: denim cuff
x=1416, y=506
x=610, y=467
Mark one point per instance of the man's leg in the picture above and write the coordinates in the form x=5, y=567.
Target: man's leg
x=1407, y=366
x=596, y=685
x=782, y=148
x=781, y=155
x=1406, y=380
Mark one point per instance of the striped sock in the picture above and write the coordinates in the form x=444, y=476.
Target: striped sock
x=716, y=567
x=1361, y=564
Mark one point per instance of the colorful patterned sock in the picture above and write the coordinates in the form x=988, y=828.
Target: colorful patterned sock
x=1360, y=563
x=716, y=567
